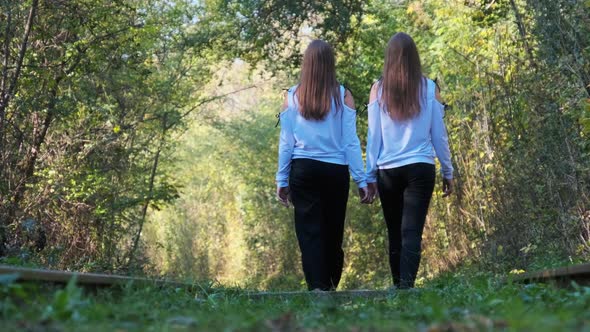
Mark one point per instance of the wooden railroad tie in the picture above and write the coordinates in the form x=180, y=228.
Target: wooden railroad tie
x=336, y=295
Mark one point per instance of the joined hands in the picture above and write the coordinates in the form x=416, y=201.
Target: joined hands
x=368, y=193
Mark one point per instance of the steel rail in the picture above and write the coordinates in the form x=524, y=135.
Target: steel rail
x=563, y=276
x=86, y=279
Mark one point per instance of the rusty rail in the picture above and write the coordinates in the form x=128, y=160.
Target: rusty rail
x=561, y=276
x=97, y=279
x=89, y=279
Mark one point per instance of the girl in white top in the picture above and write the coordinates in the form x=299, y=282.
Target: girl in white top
x=318, y=147
x=406, y=131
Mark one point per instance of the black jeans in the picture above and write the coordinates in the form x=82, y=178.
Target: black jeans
x=405, y=194
x=319, y=192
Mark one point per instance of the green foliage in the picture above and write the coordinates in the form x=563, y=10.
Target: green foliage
x=466, y=301
x=271, y=31
x=226, y=225
x=100, y=84
x=66, y=304
x=9, y=287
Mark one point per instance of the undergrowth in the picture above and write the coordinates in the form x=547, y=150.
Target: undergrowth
x=458, y=302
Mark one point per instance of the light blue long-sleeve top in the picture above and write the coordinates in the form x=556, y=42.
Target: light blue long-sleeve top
x=392, y=144
x=331, y=140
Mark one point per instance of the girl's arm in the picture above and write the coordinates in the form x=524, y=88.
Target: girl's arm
x=286, y=145
x=351, y=142
x=440, y=138
x=374, y=139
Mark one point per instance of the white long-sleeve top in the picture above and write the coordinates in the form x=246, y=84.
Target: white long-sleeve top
x=392, y=144
x=332, y=140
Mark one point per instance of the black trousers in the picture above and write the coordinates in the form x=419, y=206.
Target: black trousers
x=319, y=192
x=405, y=194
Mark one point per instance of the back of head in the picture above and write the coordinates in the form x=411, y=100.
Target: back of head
x=402, y=78
x=318, y=85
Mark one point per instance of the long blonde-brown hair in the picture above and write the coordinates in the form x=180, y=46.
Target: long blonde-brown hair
x=402, y=78
x=318, y=84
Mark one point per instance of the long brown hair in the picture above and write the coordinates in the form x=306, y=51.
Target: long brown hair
x=318, y=84
x=402, y=78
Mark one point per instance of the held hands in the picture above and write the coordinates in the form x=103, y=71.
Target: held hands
x=283, y=195
x=369, y=194
x=374, y=191
x=364, y=195
x=448, y=186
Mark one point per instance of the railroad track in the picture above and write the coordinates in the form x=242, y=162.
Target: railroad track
x=106, y=280
x=561, y=277
x=83, y=279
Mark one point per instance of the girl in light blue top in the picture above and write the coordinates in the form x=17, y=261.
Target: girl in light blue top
x=406, y=131
x=332, y=139
x=392, y=144
x=318, y=147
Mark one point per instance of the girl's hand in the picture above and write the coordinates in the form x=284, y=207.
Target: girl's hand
x=373, y=192
x=364, y=195
x=283, y=195
x=448, y=187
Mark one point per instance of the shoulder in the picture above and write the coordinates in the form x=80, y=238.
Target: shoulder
x=437, y=95
x=437, y=92
x=287, y=95
x=433, y=86
x=285, y=101
x=349, y=99
x=374, y=92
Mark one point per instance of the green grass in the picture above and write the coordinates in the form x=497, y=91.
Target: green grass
x=452, y=303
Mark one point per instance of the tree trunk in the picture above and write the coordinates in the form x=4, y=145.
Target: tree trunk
x=150, y=193
x=6, y=55
x=523, y=33
x=28, y=169
x=7, y=91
